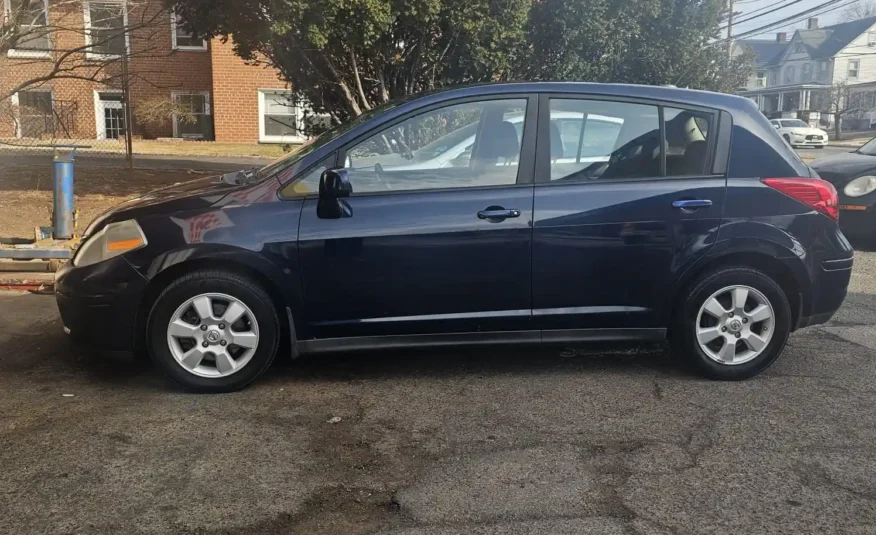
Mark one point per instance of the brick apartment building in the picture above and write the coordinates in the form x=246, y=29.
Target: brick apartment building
x=231, y=100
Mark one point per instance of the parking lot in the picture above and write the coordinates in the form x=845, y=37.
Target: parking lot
x=503, y=440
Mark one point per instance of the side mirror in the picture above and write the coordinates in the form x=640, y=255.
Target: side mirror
x=335, y=184
x=775, y=126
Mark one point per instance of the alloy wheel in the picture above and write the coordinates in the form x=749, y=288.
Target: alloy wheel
x=735, y=325
x=213, y=335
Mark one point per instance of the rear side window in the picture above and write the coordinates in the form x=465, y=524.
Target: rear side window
x=597, y=139
x=687, y=141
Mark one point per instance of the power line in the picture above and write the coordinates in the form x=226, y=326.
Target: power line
x=793, y=19
x=787, y=20
x=753, y=16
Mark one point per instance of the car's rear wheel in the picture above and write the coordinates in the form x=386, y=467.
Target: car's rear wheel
x=213, y=331
x=733, y=323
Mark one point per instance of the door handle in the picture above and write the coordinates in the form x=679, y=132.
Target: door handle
x=498, y=213
x=692, y=204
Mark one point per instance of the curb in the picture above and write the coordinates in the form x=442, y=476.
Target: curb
x=43, y=283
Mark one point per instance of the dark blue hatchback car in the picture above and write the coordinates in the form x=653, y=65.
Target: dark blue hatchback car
x=526, y=212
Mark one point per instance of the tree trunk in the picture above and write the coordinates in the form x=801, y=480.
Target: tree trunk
x=837, y=128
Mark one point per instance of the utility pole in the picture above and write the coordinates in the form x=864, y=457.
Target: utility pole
x=730, y=28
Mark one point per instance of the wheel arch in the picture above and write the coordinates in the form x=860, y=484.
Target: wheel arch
x=245, y=263
x=787, y=272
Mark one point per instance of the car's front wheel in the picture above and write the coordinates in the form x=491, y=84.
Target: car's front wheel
x=733, y=323
x=213, y=331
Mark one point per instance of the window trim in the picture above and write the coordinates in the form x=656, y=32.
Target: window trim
x=207, y=107
x=16, y=53
x=86, y=17
x=857, y=69
x=264, y=138
x=14, y=100
x=188, y=48
x=543, y=154
x=525, y=167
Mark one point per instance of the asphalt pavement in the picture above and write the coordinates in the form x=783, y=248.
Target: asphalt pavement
x=553, y=440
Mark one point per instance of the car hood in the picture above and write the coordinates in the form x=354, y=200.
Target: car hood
x=189, y=195
x=802, y=131
x=839, y=169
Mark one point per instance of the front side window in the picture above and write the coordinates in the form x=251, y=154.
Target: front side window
x=463, y=145
x=193, y=117
x=854, y=67
x=36, y=118
x=106, y=23
x=183, y=36
x=34, y=38
x=612, y=140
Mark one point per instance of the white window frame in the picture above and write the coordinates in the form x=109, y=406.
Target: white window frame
x=208, y=110
x=857, y=69
x=28, y=54
x=263, y=138
x=173, y=25
x=16, y=119
x=806, y=72
x=760, y=78
x=789, y=74
x=86, y=8
x=99, y=119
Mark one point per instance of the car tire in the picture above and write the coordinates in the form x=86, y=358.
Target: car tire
x=205, y=298
x=820, y=146
x=787, y=139
x=694, y=324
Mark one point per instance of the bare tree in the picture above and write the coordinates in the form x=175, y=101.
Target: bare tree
x=64, y=47
x=842, y=102
x=861, y=9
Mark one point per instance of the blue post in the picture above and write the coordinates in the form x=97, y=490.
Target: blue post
x=62, y=209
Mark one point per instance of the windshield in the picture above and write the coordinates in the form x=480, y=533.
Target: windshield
x=795, y=123
x=288, y=159
x=869, y=148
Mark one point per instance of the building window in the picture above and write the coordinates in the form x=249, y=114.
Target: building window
x=822, y=70
x=789, y=75
x=197, y=120
x=807, y=72
x=798, y=48
x=760, y=81
x=854, y=67
x=282, y=120
x=106, y=24
x=183, y=37
x=35, y=117
x=35, y=40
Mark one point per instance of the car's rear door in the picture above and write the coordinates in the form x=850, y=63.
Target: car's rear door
x=427, y=244
x=612, y=232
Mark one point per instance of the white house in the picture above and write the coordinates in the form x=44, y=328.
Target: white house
x=795, y=75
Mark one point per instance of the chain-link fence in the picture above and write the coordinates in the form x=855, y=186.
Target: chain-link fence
x=62, y=112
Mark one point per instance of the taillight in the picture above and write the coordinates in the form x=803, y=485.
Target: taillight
x=818, y=194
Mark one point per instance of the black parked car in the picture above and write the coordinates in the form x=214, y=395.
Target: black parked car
x=528, y=212
x=854, y=175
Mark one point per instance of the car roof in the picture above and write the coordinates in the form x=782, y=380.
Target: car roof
x=670, y=94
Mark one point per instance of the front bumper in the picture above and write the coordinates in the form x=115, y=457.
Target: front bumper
x=98, y=303
x=857, y=215
x=801, y=141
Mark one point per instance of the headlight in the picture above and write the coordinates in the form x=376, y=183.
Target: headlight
x=111, y=241
x=860, y=186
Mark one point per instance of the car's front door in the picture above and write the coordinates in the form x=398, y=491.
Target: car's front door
x=427, y=244
x=613, y=231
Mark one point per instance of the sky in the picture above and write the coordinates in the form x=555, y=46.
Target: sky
x=749, y=8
